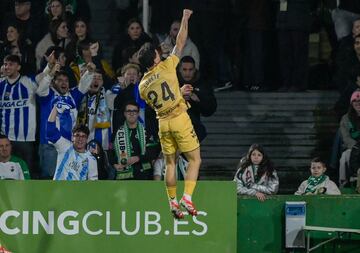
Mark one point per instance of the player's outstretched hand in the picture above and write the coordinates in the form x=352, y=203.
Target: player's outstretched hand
x=187, y=13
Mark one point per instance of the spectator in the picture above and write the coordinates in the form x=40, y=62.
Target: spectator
x=81, y=33
x=190, y=48
x=344, y=16
x=14, y=44
x=67, y=10
x=350, y=134
x=74, y=162
x=346, y=44
x=58, y=36
x=94, y=112
x=105, y=170
x=54, y=87
x=347, y=77
x=199, y=96
x=134, y=151
x=318, y=182
x=89, y=53
x=125, y=90
x=11, y=167
x=256, y=175
x=55, y=9
x=28, y=25
x=293, y=24
x=60, y=57
x=135, y=37
x=18, y=114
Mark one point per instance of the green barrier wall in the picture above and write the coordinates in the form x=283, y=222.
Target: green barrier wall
x=108, y=217
x=261, y=224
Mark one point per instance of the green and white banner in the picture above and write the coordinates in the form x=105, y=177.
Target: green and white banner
x=113, y=216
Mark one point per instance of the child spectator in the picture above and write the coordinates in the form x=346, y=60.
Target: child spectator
x=318, y=182
x=256, y=175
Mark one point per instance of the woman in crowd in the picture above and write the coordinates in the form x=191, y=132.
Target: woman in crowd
x=350, y=135
x=256, y=175
x=135, y=38
x=58, y=36
x=81, y=34
x=14, y=44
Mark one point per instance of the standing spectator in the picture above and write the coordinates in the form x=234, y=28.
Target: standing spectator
x=89, y=53
x=54, y=87
x=199, y=96
x=28, y=24
x=18, y=110
x=67, y=10
x=55, y=9
x=347, y=77
x=134, y=150
x=60, y=57
x=14, y=44
x=346, y=44
x=125, y=90
x=81, y=33
x=293, y=24
x=318, y=182
x=134, y=37
x=94, y=112
x=256, y=175
x=11, y=167
x=350, y=134
x=58, y=36
x=344, y=16
x=190, y=48
x=74, y=162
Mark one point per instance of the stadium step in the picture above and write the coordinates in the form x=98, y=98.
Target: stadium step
x=292, y=127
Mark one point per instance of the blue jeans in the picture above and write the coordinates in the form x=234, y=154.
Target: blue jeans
x=48, y=159
x=343, y=21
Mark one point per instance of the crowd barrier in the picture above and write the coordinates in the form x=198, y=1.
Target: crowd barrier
x=113, y=216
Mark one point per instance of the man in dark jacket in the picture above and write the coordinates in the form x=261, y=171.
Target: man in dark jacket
x=199, y=96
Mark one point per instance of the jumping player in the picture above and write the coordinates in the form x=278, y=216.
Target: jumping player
x=160, y=89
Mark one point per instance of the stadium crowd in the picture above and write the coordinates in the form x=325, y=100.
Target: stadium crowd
x=64, y=105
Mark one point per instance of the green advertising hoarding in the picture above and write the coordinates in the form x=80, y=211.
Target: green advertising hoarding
x=114, y=216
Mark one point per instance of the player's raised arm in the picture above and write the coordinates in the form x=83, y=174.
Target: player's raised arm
x=183, y=33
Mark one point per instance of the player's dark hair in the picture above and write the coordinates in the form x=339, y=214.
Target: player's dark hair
x=147, y=55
